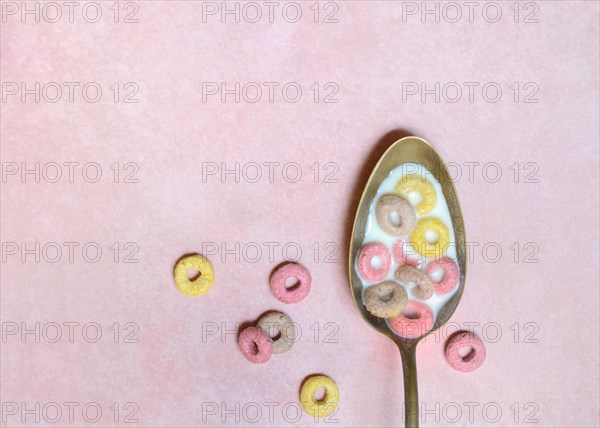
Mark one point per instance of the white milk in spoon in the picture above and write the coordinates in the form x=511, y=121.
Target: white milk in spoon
x=374, y=233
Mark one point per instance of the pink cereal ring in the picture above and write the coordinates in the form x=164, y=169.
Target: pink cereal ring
x=414, y=321
x=402, y=258
x=450, y=277
x=256, y=345
x=473, y=359
x=295, y=293
x=366, y=269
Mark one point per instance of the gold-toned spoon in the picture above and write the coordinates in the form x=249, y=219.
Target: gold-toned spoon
x=419, y=151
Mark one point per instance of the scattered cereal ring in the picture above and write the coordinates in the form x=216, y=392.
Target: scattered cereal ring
x=295, y=293
x=389, y=204
x=287, y=331
x=366, y=269
x=450, y=278
x=386, y=299
x=420, y=243
x=402, y=258
x=424, y=288
x=414, y=183
x=415, y=320
x=200, y=285
x=325, y=406
x=474, y=358
x=256, y=345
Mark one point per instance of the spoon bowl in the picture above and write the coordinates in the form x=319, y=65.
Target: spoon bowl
x=419, y=151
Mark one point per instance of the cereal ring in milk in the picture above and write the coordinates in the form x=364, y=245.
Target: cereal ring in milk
x=414, y=183
x=402, y=258
x=424, y=288
x=326, y=405
x=436, y=247
x=295, y=293
x=385, y=300
x=449, y=278
x=473, y=359
x=367, y=253
x=256, y=345
x=287, y=331
x=389, y=204
x=415, y=320
x=200, y=285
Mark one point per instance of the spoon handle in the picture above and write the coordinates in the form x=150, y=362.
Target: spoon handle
x=411, y=394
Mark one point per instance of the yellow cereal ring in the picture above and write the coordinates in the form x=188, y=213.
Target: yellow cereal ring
x=198, y=286
x=325, y=406
x=414, y=183
x=422, y=245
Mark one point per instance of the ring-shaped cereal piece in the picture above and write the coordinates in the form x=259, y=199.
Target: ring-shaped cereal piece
x=287, y=331
x=402, y=258
x=366, y=269
x=424, y=288
x=415, y=320
x=414, y=183
x=295, y=293
x=473, y=359
x=420, y=243
x=200, y=285
x=255, y=344
x=389, y=204
x=325, y=406
x=450, y=278
x=386, y=299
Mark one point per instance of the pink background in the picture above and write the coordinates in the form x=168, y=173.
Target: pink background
x=171, y=132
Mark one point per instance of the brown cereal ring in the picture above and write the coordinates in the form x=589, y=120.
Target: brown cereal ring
x=287, y=331
x=386, y=299
x=386, y=205
x=425, y=287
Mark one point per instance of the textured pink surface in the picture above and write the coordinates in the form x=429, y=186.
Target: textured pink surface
x=186, y=358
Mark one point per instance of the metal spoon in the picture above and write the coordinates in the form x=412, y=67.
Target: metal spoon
x=416, y=150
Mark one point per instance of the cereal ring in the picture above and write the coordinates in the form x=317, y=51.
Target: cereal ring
x=256, y=345
x=386, y=299
x=450, y=278
x=325, y=406
x=287, y=331
x=415, y=320
x=473, y=359
x=295, y=293
x=424, y=288
x=389, y=204
x=414, y=183
x=420, y=243
x=366, y=270
x=200, y=285
x=402, y=258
